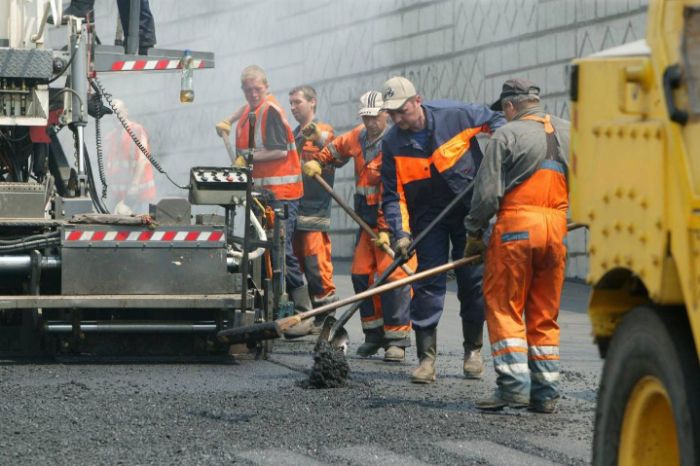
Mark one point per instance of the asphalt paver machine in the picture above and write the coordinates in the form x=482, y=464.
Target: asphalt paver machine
x=75, y=278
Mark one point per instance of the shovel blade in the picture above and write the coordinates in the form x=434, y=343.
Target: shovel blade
x=340, y=339
x=328, y=323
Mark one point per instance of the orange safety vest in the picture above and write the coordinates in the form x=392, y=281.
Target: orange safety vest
x=123, y=158
x=283, y=176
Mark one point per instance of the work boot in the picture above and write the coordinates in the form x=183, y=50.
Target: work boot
x=301, y=299
x=368, y=348
x=473, y=333
x=426, y=346
x=395, y=354
x=302, y=303
x=473, y=365
x=497, y=401
x=318, y=302
x=543, y=406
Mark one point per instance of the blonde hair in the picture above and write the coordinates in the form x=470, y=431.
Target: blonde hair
x=254, y=72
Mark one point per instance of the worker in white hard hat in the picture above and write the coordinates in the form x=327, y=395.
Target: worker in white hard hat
x=385, y=318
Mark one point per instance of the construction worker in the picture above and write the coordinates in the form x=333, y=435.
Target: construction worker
x=312, y=245
x=430, y=155
x=129, y=174
x=523, y=180
x=276, y=168
x=385, y=318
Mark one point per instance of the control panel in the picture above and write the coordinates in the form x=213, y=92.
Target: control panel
x=217, y=185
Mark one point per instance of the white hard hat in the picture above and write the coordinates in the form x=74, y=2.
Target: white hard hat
x=371, y=103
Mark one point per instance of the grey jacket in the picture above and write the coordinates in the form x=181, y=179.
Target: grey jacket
x=512, y=155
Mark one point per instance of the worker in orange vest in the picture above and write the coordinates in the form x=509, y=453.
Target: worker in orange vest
x=276, y=168
x=386, y=318
x=523, y=180
x=131, y=186
x=312, y=244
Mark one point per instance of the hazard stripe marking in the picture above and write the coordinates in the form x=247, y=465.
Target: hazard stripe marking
x=163, y=64
x=147, y=235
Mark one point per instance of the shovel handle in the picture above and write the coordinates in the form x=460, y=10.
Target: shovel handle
x=368, y=229
x=229, y=148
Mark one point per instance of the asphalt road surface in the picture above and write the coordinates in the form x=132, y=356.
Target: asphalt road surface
x=256, y=412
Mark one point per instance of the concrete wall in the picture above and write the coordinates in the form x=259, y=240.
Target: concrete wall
x=460, y=49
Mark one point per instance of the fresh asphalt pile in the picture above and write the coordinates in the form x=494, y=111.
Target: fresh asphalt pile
x=330, y=369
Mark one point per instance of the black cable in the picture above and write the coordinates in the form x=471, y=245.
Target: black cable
x=132, y=134
x=96, y=201
x=98, y=145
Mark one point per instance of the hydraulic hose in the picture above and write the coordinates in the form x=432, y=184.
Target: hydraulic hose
x=261, y=235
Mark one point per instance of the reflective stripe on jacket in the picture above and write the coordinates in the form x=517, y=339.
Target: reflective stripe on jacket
x=410, y=172
x=315, y=205
x=282, y=176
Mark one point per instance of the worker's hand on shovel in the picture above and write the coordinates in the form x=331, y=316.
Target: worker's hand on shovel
x=382, y=239
x=475, y=247
x=240, y=162
x=223, y=127
x=312, y=168
x=401, y=247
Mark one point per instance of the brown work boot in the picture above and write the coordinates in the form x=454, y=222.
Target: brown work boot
x=473, y=364
x=394, y=354
x=498, y=401
x=543, y=406
x=426, y=346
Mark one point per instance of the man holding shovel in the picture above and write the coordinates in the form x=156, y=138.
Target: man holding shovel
x=523, y=180
x=385, y=318
x=430, y=156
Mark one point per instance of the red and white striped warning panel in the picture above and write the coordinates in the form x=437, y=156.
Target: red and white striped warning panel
x=146, y=65
x=141, y=236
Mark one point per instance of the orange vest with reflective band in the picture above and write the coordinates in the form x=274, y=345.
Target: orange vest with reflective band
x=547, y=187
x=122, y=163
x=283, y=176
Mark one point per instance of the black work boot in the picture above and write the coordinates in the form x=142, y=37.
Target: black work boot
x=426, y=346
x=473, y=333
x=374, y=341
x=302, y=303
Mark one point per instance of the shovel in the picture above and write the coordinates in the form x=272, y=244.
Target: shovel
x=276, y=328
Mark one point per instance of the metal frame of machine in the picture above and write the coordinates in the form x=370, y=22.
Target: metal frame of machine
x=68, y=269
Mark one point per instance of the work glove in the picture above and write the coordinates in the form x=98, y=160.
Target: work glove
x=312, y=168
x=475, y=247
x=401, y=247
x=311, y=132
x=240, y=162
x=382, y=239
x=223, y=127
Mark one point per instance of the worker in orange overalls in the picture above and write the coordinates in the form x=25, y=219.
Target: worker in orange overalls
x=523, y=179
x=385, y=318
x=276, y=168
x=129, y=174
x=312, y=245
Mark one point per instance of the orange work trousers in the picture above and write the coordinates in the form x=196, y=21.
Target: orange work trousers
x=385, y=317
x=313, y=249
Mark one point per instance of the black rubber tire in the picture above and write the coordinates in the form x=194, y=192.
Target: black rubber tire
x=654, y=342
